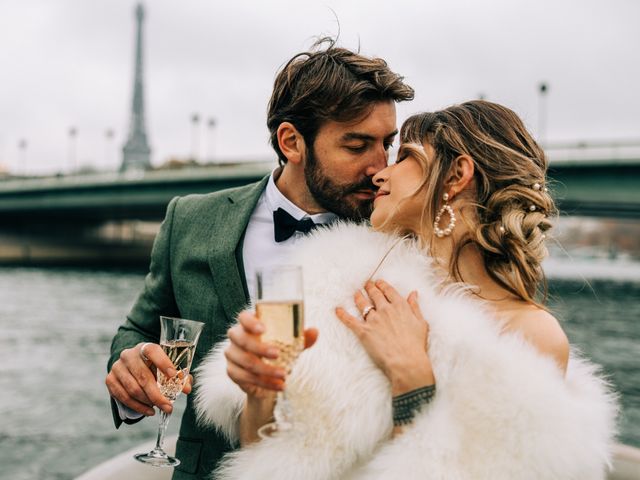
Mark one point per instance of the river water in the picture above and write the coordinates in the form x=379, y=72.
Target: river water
x=57, y=326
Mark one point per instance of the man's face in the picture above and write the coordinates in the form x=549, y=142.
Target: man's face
x=344, y=157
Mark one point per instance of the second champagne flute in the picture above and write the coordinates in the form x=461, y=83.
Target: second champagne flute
x=280, y=307
x=178, y=339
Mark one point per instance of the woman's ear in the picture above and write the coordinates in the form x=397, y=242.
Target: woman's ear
x=291, y=143
x=460, y=175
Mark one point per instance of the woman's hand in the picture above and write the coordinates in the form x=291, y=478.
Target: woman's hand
x=395, y=335
x=247, y=367
x=246, y=355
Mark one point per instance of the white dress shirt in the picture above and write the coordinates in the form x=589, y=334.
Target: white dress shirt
x=260, y=248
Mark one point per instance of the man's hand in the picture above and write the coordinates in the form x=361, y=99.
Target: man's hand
x=132, y=380
x=246, y=354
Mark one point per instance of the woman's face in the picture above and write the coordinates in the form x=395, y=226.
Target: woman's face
x=400, y=201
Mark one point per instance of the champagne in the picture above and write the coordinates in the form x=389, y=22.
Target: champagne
x=284, y=328
x=180, y=352
x=178, y=339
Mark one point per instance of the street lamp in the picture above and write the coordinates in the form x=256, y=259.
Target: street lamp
x=212, y=125
x=73, y=134
x=195, y=122
x=543, y=88
x=108, y=135
x=22, y=146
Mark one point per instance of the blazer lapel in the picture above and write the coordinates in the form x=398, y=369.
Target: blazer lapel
x=231, y=219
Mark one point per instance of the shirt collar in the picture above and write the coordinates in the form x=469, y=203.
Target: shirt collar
x=275, y=199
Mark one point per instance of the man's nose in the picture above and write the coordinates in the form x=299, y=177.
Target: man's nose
x=378, y=161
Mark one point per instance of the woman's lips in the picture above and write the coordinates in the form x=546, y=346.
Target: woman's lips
x=380, y=194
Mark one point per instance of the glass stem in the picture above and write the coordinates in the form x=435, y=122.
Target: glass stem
x=283, y=416
x=162, y=428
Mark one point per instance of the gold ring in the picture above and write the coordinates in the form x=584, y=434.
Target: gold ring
x=367, y=311
x=144, y=358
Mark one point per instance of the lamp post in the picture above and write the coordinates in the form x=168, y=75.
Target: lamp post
x=22, y=146
x=108, y=135
x=73, y=134
x=195, y=122
x=543, y=88
x=212, y=125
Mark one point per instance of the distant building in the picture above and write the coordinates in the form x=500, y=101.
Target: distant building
x=136, y=153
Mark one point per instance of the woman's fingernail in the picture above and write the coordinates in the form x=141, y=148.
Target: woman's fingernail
x=259, y=328
x=281, y=374
x=171, y=372
x=273, y=352
x=150, y=412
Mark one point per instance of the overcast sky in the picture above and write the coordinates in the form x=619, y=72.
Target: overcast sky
x=68, y=63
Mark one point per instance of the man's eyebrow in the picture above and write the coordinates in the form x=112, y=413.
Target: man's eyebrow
x=393, y=134
x=364, y=136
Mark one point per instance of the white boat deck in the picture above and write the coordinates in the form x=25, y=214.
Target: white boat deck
x=123, y=466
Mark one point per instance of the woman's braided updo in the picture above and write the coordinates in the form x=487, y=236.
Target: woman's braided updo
x=512, y=208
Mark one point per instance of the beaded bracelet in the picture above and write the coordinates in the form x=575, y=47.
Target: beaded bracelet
x=405, y=406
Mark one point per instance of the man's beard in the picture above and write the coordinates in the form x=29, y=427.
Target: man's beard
x=336, y=197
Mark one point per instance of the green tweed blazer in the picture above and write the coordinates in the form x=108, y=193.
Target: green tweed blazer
x=196, y=272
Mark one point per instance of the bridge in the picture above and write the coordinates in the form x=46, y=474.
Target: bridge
x=130, y=195
x=96, y=219
x=601, y=180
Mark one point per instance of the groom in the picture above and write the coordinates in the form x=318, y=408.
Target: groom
x=331, y=120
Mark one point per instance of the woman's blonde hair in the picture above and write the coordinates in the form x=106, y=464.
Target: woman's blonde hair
x=512, y=208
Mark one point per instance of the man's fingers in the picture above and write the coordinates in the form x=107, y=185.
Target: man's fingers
x=143, y=376
x=251, y=343
x=130, y=384
x=310, y=337
x=152, y=391
x=118, y=392
x=252, y=363
x=156, y=355
x=251, y=323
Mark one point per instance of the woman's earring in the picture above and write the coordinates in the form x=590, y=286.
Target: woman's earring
x=452, y=219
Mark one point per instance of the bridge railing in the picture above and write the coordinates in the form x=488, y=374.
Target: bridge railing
x=606, y=152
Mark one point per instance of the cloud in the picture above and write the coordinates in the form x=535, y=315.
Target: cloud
x=70, y=63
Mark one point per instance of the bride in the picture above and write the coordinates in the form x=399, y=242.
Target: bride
x=436, y=357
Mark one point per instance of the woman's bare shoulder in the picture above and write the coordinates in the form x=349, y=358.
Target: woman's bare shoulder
x=543, y=331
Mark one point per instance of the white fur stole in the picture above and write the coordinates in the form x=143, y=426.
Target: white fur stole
x=502, y=410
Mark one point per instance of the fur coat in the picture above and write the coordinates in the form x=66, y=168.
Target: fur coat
x=501, y=411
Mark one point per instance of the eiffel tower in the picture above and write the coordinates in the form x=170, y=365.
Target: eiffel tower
x=136, y=152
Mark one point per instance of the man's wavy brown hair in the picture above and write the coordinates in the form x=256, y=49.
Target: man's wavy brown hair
x=329, y=83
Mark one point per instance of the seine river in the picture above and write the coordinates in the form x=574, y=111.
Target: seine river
x=57, y=326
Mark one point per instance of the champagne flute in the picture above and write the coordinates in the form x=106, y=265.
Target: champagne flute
x=178, y=339
x=280, y=307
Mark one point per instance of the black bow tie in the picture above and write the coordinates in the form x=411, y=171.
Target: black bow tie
x=285, y=225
